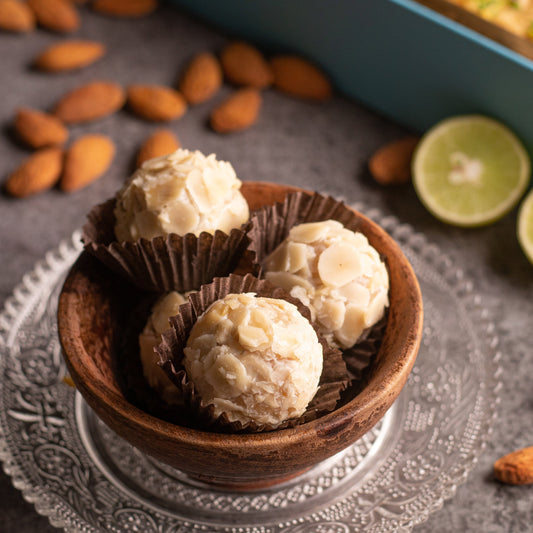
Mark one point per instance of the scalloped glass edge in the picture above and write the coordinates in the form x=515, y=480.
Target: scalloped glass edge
x=404, y=234
x=60, y=516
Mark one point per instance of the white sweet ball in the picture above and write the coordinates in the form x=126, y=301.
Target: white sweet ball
x=183, y=192
x=255, y=359
x=166, y=306
x=337, y=274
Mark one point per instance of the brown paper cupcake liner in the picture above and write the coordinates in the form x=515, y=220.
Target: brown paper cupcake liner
x=270, y=225
x=359, y=357
x=165, y=263
x=129, y=370
x=334, y=375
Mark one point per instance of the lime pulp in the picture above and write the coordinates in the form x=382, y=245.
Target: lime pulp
x=470, y=170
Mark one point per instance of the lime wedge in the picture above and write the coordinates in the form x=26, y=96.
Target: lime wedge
x=470, y=170
x=525, y=226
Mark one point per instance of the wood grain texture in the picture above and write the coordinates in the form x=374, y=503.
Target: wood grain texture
x=91, y=310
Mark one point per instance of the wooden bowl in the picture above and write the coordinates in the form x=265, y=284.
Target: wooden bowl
x=94, y=304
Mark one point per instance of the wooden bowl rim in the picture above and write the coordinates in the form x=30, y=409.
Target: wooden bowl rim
x=367, y=402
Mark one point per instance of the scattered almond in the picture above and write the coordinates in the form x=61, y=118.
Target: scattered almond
x=156, y=102
x=56, y=15
x=515, y=468
x=16, y=16
x=298, y=77
x=38, y=129
x=86, y=160
x=94, y=100
x=243, y=64
x=125, y=8
x=67, y=380
x=201, y=79
x=162, y=142
x=391, y=164
x=37, y=173
x=69, y=55
x=238, y=112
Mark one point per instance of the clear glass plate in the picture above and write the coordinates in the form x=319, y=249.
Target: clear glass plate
x=85, y=478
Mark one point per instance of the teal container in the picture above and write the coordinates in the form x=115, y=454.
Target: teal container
x=398, y=57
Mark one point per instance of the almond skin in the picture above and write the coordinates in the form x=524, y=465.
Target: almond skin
x=69, y=55
x=86, y=160
x=16, y=16
x=391, y=164
x=161, y=142
x=125, y=8
x=201, y=79
x=244, y=64
x=38, y=129
x=238, y=112
x=89, y=102
x=299, y=77
x=37, y=173
x=515, y=468
x=56, y=15
x=156, y=102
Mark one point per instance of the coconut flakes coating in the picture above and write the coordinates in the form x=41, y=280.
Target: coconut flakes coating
x=255, y=359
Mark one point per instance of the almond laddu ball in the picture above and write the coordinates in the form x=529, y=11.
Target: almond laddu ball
x=166, y=306
x=255, y=359
x=183, y=192
x=337, y=274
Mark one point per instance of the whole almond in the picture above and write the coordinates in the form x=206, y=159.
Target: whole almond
x=156, y=102
x=298, y=77
x=515, y=468
x=89, y=102
x=125, y=8
x=56, y=15
x=201, y=79
x=16, y=16
x=161, y=142
x=243, y=64
x=37, y=173
x=38, y=129
x=238, y=112
x=86, y=160
x=391, y=164
x=69, y=55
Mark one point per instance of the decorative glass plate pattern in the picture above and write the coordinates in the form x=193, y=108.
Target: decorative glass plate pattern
x=85, y=478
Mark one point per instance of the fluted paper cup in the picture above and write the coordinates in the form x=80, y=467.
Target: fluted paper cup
x=164, y=263
x=334, y=376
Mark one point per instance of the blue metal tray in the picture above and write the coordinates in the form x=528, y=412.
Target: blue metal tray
x=398, y=57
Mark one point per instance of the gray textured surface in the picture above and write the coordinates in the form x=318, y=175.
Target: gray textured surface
x=319, y=147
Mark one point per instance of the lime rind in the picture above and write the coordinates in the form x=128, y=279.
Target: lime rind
x=525, y=226
x=501, y=153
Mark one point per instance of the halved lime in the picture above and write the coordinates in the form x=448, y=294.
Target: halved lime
x=525, y=226
x=470, y=170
